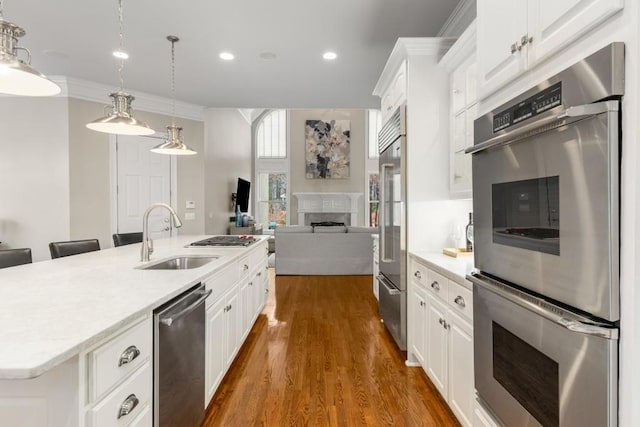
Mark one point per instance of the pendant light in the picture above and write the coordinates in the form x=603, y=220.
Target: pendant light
x=173, y=144
x=121, y=121
x=16, y=76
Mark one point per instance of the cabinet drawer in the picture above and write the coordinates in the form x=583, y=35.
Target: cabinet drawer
x=437, y=284
x=113, y=361
x=138, y=387
x=460, y=299
x=220, y=283
x=252, y=261
x=418, y=273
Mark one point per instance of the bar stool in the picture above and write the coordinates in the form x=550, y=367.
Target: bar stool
x=11, y=257
x=121, y=239
x=73, y=247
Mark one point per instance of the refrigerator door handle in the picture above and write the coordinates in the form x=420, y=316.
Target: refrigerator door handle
x=383, y=247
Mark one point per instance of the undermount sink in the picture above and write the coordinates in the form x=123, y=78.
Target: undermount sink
x=183, y=262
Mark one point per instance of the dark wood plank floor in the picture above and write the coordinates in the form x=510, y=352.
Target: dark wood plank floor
x=319, y=356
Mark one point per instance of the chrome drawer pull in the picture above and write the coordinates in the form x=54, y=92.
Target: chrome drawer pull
x=418, y=275
x=128, y=355
x=435, y=285
x=128, y=405
x=460, y=301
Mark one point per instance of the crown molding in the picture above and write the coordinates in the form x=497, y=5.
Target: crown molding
x=463, y=49
x=464, y=13
x=96, y=92
x=407, y=47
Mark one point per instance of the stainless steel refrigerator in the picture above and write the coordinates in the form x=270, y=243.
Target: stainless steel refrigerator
x=392, y=279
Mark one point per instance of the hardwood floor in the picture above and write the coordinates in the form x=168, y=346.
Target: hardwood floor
x=319, y=356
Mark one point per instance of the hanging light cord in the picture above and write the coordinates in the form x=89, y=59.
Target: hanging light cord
x=121, y=67
x=173, y=82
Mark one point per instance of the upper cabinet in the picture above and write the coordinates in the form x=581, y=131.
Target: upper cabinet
x=514, y=36
x=395, y=94
x=460, y=64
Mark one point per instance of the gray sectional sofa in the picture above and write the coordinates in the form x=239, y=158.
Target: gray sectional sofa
x=306, y=250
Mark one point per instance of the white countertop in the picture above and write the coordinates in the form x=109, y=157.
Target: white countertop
x=455, y=269
x=52, y=310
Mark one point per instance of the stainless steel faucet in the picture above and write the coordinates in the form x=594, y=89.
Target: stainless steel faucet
x=147, y=243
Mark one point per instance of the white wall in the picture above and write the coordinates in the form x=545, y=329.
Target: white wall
x=34, y=173
x=228, y=156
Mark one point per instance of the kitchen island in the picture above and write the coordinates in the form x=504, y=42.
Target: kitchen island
x=57, y=318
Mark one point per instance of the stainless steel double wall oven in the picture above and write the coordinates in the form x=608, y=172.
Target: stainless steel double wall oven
x=546, y=220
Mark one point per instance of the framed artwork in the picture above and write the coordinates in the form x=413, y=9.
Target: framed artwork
x=328, y=149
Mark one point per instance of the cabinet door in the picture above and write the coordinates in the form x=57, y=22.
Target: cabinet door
x=419, y=322
x=500, y=24
x=246, y=303
x=233, y=334
x=461, y=388
x=436, y=345
x=554, y=23
x=458, y=84
x=214, y=347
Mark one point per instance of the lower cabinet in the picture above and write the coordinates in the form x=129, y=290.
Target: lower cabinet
x=441, y=341
x=231, y=313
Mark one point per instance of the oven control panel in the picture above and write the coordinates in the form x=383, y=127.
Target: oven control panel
x=542, y=101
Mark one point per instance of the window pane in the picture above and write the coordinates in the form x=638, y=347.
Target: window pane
x=375, y=119
x=271, y=135
x=272, y=196
x=374, y=192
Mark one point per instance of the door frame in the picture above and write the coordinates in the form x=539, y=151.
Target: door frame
x=113, y=181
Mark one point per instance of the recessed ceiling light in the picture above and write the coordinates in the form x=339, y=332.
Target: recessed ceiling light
x=227, y=56
x=330, y=56
x=268, y=56
x=120, y=54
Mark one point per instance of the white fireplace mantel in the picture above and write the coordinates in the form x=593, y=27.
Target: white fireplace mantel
x=346, y=203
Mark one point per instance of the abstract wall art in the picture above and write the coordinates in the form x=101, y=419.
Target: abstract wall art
x=328, y=149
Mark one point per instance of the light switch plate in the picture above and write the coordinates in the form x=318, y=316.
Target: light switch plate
x=190, y=204
x=190, y=215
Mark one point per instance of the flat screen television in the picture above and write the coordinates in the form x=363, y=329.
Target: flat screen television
x=242, y=194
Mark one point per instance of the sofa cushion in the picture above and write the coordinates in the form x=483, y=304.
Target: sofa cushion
x=331, y=229
x=295, y=229
x=370, y=230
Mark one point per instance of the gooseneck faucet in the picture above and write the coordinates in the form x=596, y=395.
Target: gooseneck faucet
x=147, y=243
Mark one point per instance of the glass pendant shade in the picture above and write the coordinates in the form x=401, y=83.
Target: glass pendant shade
x=16, y=76
x=173, y=144
x=121, y=120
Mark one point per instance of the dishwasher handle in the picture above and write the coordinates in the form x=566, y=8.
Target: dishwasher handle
x=171, y=317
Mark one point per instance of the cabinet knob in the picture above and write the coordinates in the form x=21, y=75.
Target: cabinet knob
x=516, y=47
x=525, y=40
x=250, y=283
x=460, y=301
x=245, y=267
x=417, y=274
x=435, y=285
x=128, y=355
x=422, y=304
x=128, y=405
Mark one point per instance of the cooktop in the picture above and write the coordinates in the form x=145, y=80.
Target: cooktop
x=225, y=241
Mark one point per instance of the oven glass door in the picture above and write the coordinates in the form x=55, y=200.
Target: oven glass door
x=546, y=213
x=533, y=371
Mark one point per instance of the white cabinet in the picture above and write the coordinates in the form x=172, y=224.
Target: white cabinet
x=396, y=93
x=214, y=348
x=237, y=299
x=460, y=63
x=437, y=348
x=514, y=36
x=441, y=337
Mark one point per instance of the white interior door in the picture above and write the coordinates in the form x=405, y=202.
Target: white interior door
x=143, y=178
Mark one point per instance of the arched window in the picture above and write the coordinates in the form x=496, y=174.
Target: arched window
x=272, y=169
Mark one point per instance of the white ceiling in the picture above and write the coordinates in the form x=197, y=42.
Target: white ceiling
x=75, y=38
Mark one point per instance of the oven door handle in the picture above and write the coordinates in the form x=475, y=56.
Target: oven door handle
x=545, y=123
x=551, y=312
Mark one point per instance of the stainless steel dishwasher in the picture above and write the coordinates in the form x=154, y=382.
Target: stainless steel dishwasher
x=178, y=360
